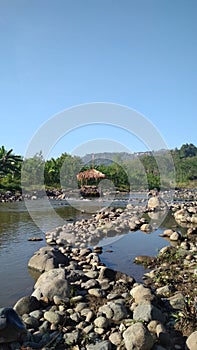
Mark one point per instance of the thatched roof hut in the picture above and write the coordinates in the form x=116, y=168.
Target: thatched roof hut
x=91, y=174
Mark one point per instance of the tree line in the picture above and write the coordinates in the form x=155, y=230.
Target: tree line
x=144, y=172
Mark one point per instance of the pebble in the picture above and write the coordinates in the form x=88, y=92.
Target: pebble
x=101, y=322
x=99, y=293
x=52, y=317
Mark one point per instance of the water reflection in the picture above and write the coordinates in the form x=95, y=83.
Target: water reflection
x=16, y=227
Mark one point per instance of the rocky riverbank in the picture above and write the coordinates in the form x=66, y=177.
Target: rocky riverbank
x=80, y=304
x=10, y=196
x=61, y=194
x=16, y=196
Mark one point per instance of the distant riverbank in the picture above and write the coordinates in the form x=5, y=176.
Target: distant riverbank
x=60, y=194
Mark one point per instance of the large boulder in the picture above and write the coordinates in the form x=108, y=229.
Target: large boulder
x=26, y=304
x=47, y=258
x=137, y=336
x=147, y=312
x=52, y=283
x=11, y=326
x=156, y=203
x=119, y=311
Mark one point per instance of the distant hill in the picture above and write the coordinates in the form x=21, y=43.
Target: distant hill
x=107, y=158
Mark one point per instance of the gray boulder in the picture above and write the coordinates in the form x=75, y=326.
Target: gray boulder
x=138, y=337
x=119, y=311
x=11, y=326
x=52, y=283
x=47, y=258
x=147, y=312
x=26, y=305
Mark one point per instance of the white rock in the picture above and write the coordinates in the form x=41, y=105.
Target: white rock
x=146, y=228
x=192, y=341
x=175, y=236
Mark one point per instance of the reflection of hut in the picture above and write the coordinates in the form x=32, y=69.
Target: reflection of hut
x=92, y=177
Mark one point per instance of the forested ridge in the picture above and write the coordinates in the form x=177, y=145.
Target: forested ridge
x=125, y=171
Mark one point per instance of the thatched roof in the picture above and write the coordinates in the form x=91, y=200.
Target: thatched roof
x=90, y=174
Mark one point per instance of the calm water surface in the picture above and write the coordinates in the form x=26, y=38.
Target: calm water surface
x=17, y=226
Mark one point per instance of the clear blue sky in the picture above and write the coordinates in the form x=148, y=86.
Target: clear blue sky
x=56, y=54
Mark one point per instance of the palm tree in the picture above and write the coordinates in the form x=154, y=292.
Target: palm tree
x=9, y=162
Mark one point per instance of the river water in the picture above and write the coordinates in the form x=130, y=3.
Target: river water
x=17, y=226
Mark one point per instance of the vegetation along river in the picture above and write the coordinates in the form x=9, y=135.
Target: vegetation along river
x=17, y=226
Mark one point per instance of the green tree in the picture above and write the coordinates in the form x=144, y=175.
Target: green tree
x=70, y=167
x=32, y=176
x=9, y=162
x=52, y=172
x=136, y=174
x=188, y=150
